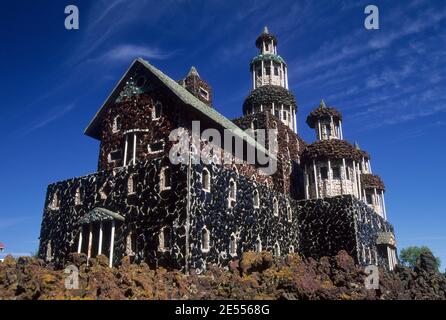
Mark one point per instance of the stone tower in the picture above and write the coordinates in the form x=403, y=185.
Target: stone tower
x=197, y=86
x=270, y=83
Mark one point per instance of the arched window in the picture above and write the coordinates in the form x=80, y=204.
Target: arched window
x=256, y=199
x=116, y=124
x=258, y=245
x=165, y=179
x=205, y=239
x=277, y=249
x=289, y=213
x=206, y=180
x=157, y=111
x=291, y=249
x=232, y=196
x=165, y=238
x=233, y=245
x=275, y=207
x=131, y=185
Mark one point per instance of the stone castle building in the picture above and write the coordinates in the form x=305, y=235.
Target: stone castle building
x=322, y=198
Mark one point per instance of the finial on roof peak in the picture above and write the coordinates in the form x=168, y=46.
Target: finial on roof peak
x=322, y=104
x=193, y=72
x=357, y=146
x=265, y=29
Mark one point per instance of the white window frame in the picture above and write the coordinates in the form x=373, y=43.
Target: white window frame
x=200, y=89
x=154, y=115
x=206, y=180
x=149, y=149
x=116, y=127
x=256, y=195
x=162, y=182
x=208, y=240
x=233, y=243
x=275, y=207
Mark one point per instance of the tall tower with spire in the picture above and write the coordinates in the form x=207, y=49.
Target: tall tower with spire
x=270, y=83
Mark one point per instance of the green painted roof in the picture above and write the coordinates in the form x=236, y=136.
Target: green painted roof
x=268, y=57
x=100, y=214
x=187, y=98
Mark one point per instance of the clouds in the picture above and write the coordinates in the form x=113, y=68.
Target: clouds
x=128, y=52
x=48, y=118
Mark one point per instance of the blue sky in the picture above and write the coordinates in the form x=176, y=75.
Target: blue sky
x=389, y=83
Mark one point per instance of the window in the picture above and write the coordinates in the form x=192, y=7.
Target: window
x=324, y=173
x=336, y=173
x=258, y=245
x=157, y=111
x=232, y=192
x=289, y=213
x=78, y=196
x=347, y=173
x=267, y=71
x=328, y=130
x=165, y=238
x=256, y=199
x=204, y=93
x=276, y=249
x=276, y=71
x=156, y=147
x=275, y=207
x=291, y=249
x=205, y=237
x=233, y=246
x=104, y=191
x=55, y=202
x=206, y=180
x=130, y=186
x=369, y=198
x=165, y=183
x=285, y=115
x=116, y=124
x=114, y=156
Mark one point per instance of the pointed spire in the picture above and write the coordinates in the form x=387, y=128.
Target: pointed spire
x=357, y=146
x=322, y=104
x=193, y=72
x=265, y=29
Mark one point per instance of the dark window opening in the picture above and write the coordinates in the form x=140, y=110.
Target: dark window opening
x=336, y=173
x=324, y=173
x=115, y=155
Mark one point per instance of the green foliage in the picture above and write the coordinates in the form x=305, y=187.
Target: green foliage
x=410, y=255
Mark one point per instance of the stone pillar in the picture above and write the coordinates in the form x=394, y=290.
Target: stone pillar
x=315, y=180
x=359, y=180
x=319, y=130
x=329, y=176
x=112, y=243
x=384, y=205
x=263, y=70
x=79, y=245
x=253, y=77
x=355, y=182
x=370, y=165
x=90, y=241
x=307, y=182
x=344, y=178
x=271, y=72
x=282, y=76
x=125, y=149
x=377, y=202
x=340, y=130
x=272, y=109
x=100, y=239
x=286, y=78
x=134, y=148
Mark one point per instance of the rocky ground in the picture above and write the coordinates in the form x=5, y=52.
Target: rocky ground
x=255, y=276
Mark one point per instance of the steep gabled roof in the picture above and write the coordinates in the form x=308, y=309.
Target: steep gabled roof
x=185, y=96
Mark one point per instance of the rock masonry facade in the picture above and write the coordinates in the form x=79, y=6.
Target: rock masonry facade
x=184, y=215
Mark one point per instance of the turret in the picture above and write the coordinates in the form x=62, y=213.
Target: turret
x=197, y=86
x=326, y=121
x=270, y=83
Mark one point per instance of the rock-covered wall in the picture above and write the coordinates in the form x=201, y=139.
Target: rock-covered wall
x=242, y=219
x=340, y=223
x=146, y=212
